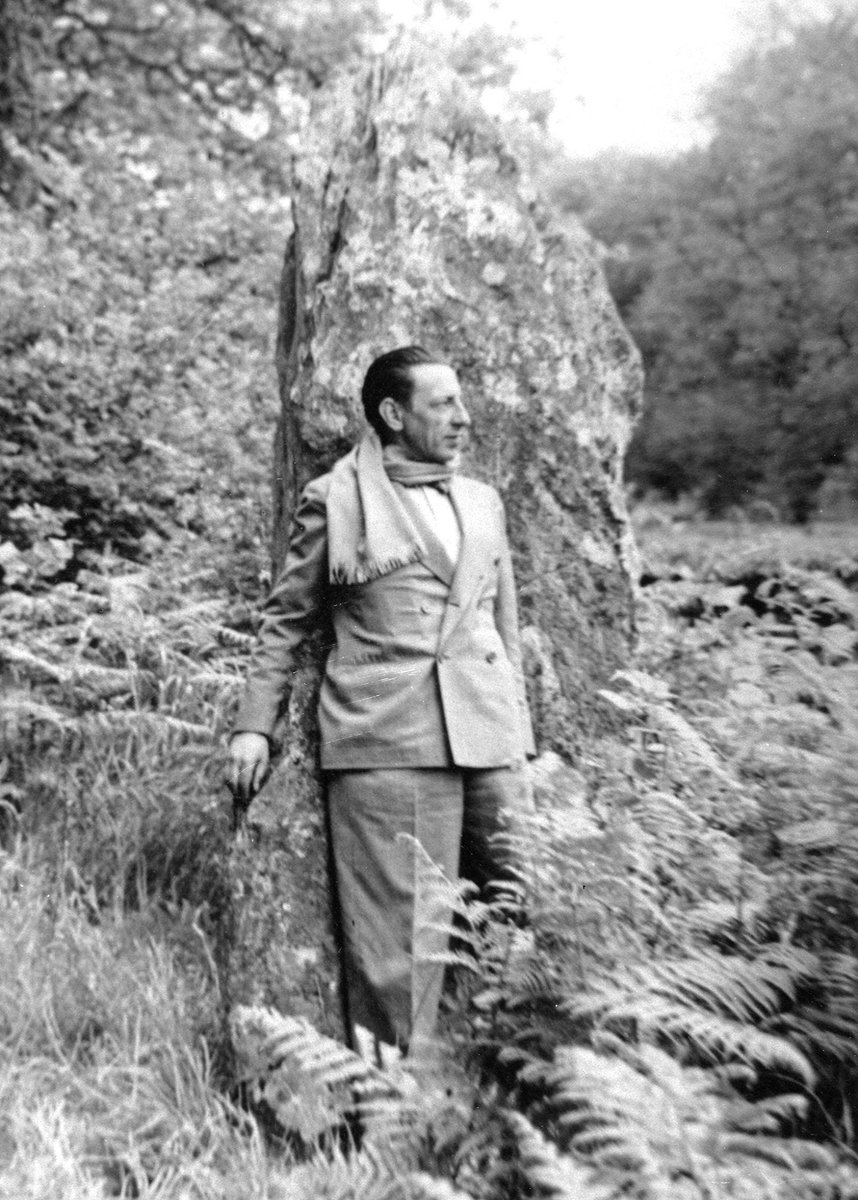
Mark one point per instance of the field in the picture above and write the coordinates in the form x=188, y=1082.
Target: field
x=678, y=1019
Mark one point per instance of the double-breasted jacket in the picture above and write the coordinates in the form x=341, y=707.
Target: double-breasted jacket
x=425, y=667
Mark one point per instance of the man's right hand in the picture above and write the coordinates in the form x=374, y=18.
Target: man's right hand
x=248, y=765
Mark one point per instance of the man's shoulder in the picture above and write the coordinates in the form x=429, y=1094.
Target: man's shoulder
x=317, y=489
x=477, y=492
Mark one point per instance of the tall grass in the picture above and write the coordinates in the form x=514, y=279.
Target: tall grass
x=107, y=1083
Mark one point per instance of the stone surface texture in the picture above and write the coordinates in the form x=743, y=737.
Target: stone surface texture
x=276, y=944
x=413, y=224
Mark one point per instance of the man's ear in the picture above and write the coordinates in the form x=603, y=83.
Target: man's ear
x=389, y=412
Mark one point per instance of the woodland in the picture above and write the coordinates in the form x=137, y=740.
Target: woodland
x=678, y=1017
x=735, y=267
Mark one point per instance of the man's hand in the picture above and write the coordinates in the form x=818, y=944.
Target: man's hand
x=248, y=765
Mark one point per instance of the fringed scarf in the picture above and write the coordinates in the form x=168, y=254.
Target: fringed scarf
x=369, y=531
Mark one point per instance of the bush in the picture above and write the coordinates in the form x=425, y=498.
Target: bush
x=135, y=378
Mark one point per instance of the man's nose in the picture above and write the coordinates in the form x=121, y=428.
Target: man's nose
x=461, y=415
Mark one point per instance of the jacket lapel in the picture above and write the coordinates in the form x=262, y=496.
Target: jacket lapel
x=433, y=555
x=474, y=558
x=436, y=558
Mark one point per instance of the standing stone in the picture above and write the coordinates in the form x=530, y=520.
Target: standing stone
x=413, y=223
x=276, y=944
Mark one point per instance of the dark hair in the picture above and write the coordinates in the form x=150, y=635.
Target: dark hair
x=390, y=375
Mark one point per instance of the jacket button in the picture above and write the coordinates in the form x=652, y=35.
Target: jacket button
x=491, y=656
x=425, y=609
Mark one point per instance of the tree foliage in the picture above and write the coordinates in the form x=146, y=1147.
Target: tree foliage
x=145, y=177
x=126, y=323
x=736, y=267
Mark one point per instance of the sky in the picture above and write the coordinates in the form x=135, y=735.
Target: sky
x=624, y=74
x=628, y=73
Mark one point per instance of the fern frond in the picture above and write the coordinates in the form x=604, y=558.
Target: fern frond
x=610, y=1112
x=765, y=1116
x=367, y=1175
x=234, y=637
x=689, y=743
x=650, y=1122
x=302, y=1076
x=550, y=1173
x=17, y=706
x=791, y=1154
x=714, y=1001
x=136, y=722
x=829, y=1026
x=103, y=680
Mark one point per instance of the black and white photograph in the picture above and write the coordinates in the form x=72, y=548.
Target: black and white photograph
x=428, y=600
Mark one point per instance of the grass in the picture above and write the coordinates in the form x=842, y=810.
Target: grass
x=726, y=550
x=694, y=881
x=107, y=1084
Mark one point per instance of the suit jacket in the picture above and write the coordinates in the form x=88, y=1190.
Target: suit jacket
x=426, y=666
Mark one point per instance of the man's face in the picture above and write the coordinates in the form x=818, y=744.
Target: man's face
x=433, y=425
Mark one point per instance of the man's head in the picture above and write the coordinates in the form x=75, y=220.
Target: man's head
x=413, y=401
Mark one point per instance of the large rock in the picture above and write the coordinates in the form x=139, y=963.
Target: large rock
x=414, y=224
x=276, y=945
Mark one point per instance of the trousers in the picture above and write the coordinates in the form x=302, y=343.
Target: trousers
x=400, y=838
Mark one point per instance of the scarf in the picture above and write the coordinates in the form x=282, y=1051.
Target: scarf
x=369, y=531
x=418, y=474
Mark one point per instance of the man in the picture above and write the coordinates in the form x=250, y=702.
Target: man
x=422, y=712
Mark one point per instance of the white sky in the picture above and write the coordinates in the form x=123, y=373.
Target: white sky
x=623, y=73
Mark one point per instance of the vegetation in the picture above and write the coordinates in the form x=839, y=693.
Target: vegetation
x=734, y=266
x=676, y=1017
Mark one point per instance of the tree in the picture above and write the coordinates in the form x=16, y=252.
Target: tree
x=142, y=223
x=736, y=266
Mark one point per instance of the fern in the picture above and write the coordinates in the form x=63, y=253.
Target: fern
x=162, y=725
x=417, y=1120
x=713, y=1003
x=551, y=1174
x=666, y=1001
x=309, y=1081
x=367, y=1175
x=647, y=1122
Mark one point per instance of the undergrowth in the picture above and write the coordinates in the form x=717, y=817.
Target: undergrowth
x=668, y=1007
